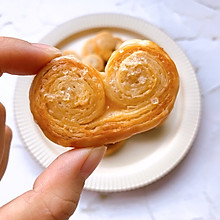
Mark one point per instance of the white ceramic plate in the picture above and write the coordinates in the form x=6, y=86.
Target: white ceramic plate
x=145, y=157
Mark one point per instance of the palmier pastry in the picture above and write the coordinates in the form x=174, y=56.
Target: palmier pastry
x=94, y=60
x=76, y=106
x=118, y=42
x=71, y=52
x=104, y=44
x=113, y=148
x=88, y=47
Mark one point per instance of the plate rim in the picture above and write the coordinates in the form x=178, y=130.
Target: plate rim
x=106, y=20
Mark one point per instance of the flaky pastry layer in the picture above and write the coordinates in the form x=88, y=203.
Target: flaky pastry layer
x=77, y=106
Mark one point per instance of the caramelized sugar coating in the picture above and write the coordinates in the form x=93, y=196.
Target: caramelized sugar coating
x=76, y=106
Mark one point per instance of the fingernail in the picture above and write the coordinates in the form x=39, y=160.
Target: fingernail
x=47, y=48
x=92, y=161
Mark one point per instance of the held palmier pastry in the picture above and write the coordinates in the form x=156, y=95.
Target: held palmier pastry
x=76, y=106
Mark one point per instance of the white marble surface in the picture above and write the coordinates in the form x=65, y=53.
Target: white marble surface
x=191, y=191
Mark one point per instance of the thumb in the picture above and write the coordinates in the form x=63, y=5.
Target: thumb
x=23, y=58
x=57, y=190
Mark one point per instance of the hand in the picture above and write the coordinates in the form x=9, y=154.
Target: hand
x=5, y=140
x=56, y=191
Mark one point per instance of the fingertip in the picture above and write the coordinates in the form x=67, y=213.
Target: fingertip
x=23, y=58
x=2, y=115
x=53, y=51
x=5, y=150
x=8, y=135
x=92, y=161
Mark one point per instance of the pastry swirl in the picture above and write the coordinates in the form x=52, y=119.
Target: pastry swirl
x=77, y=106
x=63, y=96
x=142, y=79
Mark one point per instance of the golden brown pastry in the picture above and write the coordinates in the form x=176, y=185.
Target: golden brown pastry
x=118, y=42
x=113, y=148
x=95, y=60
x=71, y=52
x=88, y=47
x=104, y=44
x=77, y=106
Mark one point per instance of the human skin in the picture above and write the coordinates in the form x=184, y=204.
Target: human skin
x=57, y=190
